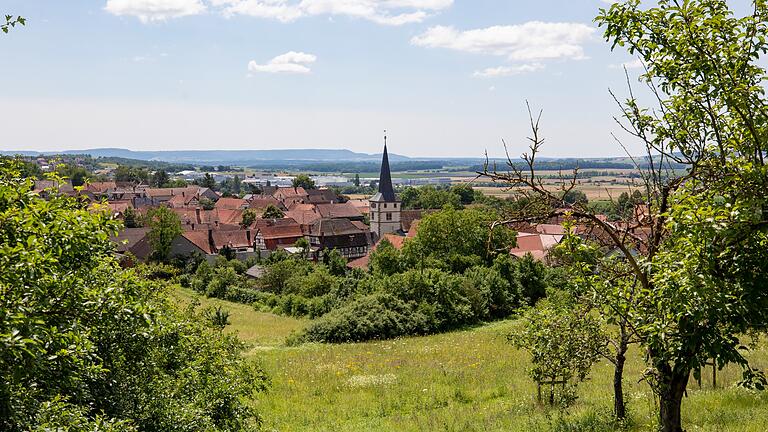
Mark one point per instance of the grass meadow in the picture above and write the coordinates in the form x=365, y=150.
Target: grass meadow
x=469, y=380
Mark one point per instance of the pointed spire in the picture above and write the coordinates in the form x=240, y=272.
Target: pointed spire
x=385, y=178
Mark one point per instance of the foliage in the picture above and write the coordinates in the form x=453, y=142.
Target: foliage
x=460, y=239
x=377, y=316
x=206, y=203
x=159, y=179
x=132, y=174
x=164, y=226
x=132, y=218
x=272, y=212
x=385, y=260
x=11, y=21
x=208, y=181
x=88, y=346
x=249, y=217
x=563, y=342
x=303, y=181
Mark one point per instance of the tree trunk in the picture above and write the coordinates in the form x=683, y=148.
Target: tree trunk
x=673, y=384
x=619, y=409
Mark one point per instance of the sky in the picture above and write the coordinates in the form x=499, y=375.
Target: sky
x=445, y=78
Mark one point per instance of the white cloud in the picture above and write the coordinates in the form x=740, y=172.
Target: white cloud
x=388, y=12
x=509, y=70
x=155, y=10
x=290, y=62
x=531, y=41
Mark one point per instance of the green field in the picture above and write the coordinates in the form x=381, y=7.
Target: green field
x=469, y=380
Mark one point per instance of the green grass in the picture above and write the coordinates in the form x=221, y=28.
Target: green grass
x=470, y=380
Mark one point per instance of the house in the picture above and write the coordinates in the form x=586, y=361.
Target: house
x=231, y=204
x=538, y=245
x=100, y=188
x=306, y=217
x=261, y=202
x=351, y=240
x=273, y=233
x=193, y=241
x=237, y=241
x=322, y=196
x=290, y=194
x=181, y=201
x=339, y=211
x=133, y=242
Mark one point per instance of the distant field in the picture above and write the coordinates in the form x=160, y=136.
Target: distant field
x=594, y=191
x=470, y=380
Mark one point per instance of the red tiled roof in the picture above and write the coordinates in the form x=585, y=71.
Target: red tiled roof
x=231, y=203
x=338, y=211
x=233, y=239
x=100, y=187
x=199, y=239
x=303, y=217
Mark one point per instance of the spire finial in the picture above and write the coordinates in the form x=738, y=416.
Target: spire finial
x=385, y=137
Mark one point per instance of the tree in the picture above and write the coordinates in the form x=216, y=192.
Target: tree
x=11, y=21
x=385, y=259
x=272, y=212
x=574, y=196
x=465, y=192
x=208, y=181
x=132, y=218
x=336, y=263
x=164, y=226
x=86, y=345
x=206, y=203
x=249, y=217
x=303, y=244
x=481, y=239
x=303, y=181
x=563, y=347
x=698, y=256
x=159, y=178
x=356, y=182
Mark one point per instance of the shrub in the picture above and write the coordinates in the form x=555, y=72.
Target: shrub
x=374, y=317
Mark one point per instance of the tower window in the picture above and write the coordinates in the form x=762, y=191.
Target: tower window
x=373, y=205
x=373, y=216
x=389, y=216
x=385, y=205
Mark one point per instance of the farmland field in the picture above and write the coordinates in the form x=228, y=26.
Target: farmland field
x=470, y=380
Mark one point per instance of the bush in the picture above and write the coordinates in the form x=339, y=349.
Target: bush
x=374, y=317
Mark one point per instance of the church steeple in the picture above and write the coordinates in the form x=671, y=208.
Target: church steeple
x=385, y=178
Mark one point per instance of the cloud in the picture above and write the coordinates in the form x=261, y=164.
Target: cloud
x=387, y=12
x=155, y=10
x=290, y=62
x=509, y=70
x=531, y=41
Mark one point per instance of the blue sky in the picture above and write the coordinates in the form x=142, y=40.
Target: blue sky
x=445, y=77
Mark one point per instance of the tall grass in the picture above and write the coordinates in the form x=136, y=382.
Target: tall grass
x=470, y=380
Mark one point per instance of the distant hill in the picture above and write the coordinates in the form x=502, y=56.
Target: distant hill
x=226, y=157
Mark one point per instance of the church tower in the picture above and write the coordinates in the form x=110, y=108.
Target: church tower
x=384, y=206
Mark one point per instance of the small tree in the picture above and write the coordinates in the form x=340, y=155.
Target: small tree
x=132, y=218
x=303, y=181
x=165, y=226
x=272, y=212
x=563, y=343
x=356, y=182
x=249, y=217
x=207, y=203
x=160, y=178
x=208, y=181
